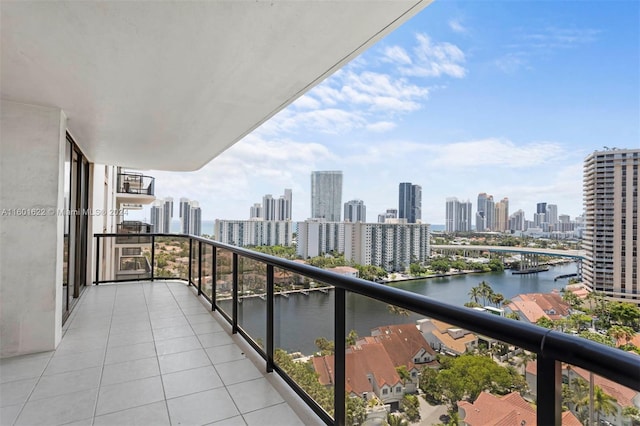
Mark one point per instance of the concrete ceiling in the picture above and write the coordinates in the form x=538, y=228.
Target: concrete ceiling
x=171, y=84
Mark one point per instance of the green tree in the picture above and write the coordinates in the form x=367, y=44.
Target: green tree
x=603, y=403
x=597, y=337
x=356, y=409
x=440, y=265
x=411, y=407
x=326, y=347
x=545, y=322
x=468, y=375
x=475, y=293
x=352, y=338
x=618, y=332
x=403, y=373
x=570, y=297
x=625, y=313
x=394, y=419
x=429, y=384
x=396, y=310
x=496, y=265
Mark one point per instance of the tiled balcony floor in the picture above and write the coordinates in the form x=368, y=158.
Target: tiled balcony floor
x=145, y=354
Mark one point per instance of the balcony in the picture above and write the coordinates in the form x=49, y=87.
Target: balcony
x=251, y=294
x=135, y=188
x=136, y=232
x=145, y=353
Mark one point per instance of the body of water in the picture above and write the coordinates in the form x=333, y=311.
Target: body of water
x=300, y=319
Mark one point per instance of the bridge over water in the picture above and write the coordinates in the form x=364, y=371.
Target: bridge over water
x=529, y=255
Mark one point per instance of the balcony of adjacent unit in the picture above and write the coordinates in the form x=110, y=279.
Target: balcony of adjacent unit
x=134, y=188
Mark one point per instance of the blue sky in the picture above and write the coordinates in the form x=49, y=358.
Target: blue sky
x=503, y=97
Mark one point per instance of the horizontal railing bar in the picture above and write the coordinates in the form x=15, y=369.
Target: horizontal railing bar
x=602, y=360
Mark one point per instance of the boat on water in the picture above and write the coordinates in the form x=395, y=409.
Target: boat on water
x=530, y=270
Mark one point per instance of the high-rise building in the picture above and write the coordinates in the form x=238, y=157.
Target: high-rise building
x=517, y=221
x=410, y=202
x=271, y=208
x=389, y=214
x=541, y=208
x=185, y=216
x=255, y=211
x=611, y=232
x=490, y=218
x=156, y=213
x=552, y=214
x=481, y=213
x=458, y=215
x=195, y=219
x=254, y=232
x=502, y=215
x=355, y=211
x=167, y=214
x=319, y=237
x=326, y=195
x=392, y=246
x=190, y=217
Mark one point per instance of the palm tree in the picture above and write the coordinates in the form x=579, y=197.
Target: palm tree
x=603, y=403
x=621, y=332
x=496, y=299
x=474, y=293
x=524, y=359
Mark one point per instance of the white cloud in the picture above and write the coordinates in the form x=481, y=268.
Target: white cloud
x=456, y=26
x=381, y=126
x=306, y=102
x=396, y=55
x=435, y=59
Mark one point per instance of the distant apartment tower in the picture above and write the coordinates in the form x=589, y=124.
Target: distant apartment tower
x=190, y=217
x=410, y=202
x=611, y=233
x=161, y=214
x=317, y=237
x=272, y=208
x=355, y=211
x=389, y=214
x=490, y=214
x=458, y=215
x=255, y=212
x=517, y=221
x=502, y=215
x=326, y=195
x=481, y=213
x=552, y=215
x=392, y=246
x=243, y=233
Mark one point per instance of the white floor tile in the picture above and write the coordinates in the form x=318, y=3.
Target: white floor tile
x=59, y=384
x=201, y=408
x=183, y=361
x=130, y=370
x=127, y=395
x=59, y=410
x=155, y=414
x=254, y=395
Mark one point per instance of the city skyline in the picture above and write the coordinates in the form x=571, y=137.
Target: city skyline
x=508, y=98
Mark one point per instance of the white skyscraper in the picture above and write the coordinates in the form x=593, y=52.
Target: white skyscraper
x=611, y=232
x=190, y=217
x=458, y=215
x=326, y=195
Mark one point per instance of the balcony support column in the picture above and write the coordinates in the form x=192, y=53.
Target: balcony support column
x=340, y=356
x=549, y=390
x=234, y=315
x=270, y=303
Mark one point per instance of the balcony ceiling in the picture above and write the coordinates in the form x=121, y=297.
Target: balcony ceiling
x=170, y=85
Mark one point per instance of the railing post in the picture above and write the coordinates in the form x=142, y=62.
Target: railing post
x=199, y=268
x=97, y=260
x=214, y=280
x=153, y=256
x=340, y=355
x=270, y=307
x=189, y=277
x=549, y=391
x=234, y=310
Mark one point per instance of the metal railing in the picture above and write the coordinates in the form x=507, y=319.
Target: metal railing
x=134, y=183
x=204, y=269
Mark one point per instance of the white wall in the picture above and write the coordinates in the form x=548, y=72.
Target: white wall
x=31, y=247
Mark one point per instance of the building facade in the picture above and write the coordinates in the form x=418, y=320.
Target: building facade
x=318, y=237
x=243, y=233
x=355, y=211
x=326, y=195
x=410, y=202
x=611, y=233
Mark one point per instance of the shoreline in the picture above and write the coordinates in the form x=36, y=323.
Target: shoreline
x=453, y=274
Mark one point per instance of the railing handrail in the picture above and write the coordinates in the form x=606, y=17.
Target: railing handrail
x=612, y=363
x=135, y=174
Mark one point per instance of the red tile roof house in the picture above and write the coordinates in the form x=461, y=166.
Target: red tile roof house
x=531, y=307
x=507, y=410
x=369, y=370
x=406, y=346
x=447, y=338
